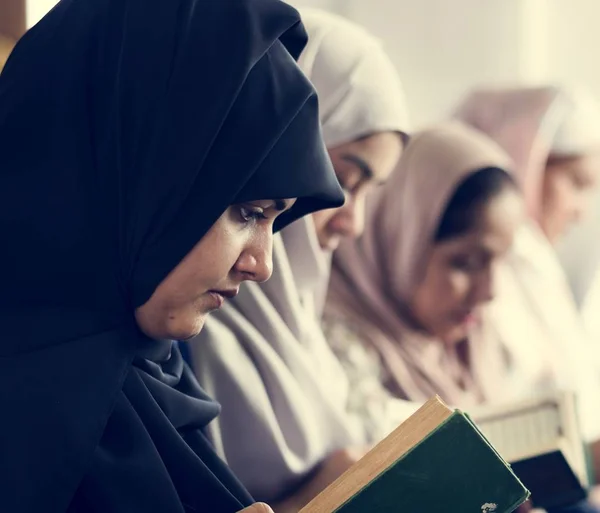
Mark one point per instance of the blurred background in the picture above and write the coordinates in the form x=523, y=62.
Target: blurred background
x=442, y=47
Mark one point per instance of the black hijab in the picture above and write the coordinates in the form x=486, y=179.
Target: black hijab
x=126, y=128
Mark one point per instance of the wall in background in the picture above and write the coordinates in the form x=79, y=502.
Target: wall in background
x=574, y=42
x=442, y=48
x=36, y=9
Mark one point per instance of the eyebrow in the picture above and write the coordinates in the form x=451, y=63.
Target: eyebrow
x=365, y=169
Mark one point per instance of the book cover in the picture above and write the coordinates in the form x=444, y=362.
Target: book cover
x=442, y=464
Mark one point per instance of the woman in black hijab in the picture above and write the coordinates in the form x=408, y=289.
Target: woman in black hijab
x=148, y=149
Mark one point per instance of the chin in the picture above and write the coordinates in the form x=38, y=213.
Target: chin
x=330, y=244
x=186, y=331
x=455, y=335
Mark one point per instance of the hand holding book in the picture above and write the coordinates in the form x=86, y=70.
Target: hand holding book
x=258, y=507
x=330, y=469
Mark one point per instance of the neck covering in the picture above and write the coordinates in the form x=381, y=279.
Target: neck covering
x=534, y=312
x=374, y=277
x=264, y=355
x=111, y=173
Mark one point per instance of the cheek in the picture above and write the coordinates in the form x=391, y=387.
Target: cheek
x=559, y=195
x=322, y=217
x=449, y=286
x=459, y=285
x=435, y=296
x=210, y=262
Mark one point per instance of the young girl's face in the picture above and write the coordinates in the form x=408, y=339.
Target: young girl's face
x=459, y=276
x=237, y=248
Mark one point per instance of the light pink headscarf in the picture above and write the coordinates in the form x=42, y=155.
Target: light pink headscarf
x=532, y=123
x=373, y=278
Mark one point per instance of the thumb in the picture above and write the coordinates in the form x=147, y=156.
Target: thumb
x=258, y=507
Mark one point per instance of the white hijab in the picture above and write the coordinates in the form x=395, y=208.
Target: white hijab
x=263, y=356
x=534, y=312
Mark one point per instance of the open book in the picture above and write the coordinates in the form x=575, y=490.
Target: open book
x=541, y=439
x=436, y=461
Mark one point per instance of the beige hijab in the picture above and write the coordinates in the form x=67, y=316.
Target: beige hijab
x=374, y=277
x=263, y=356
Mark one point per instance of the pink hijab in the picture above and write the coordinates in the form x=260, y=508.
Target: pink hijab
x=532, y=123
x=373, y=278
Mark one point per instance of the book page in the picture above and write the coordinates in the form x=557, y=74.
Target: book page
x=523, y=431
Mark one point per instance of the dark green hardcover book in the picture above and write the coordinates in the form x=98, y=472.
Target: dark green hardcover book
x=436, y=462
x=541, y=438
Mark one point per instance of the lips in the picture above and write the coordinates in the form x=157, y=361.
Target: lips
x=229, y=293
x=218, y=297
x=468, y=318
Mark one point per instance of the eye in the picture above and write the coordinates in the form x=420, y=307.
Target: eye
x=249, y=214
x=467, y=263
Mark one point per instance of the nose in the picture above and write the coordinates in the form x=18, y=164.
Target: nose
x=255, y=263
x=349, y=220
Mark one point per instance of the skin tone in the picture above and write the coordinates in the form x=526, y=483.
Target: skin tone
x=459, y=278
x=359, y=165
x=237, y=248
x=566, y=192
x=259, y=507
x=332, y=467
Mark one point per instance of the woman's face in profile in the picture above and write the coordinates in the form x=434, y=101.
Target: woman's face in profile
x=237, y=248
x=459, y=277
x=359, y=166
x=566, y=191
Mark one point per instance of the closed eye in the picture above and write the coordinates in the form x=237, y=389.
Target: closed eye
x=249, y=214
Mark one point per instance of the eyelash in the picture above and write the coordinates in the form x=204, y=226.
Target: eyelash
x=249, y=215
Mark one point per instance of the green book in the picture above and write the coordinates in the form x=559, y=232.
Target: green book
x=541, y=438
x=436, y=462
